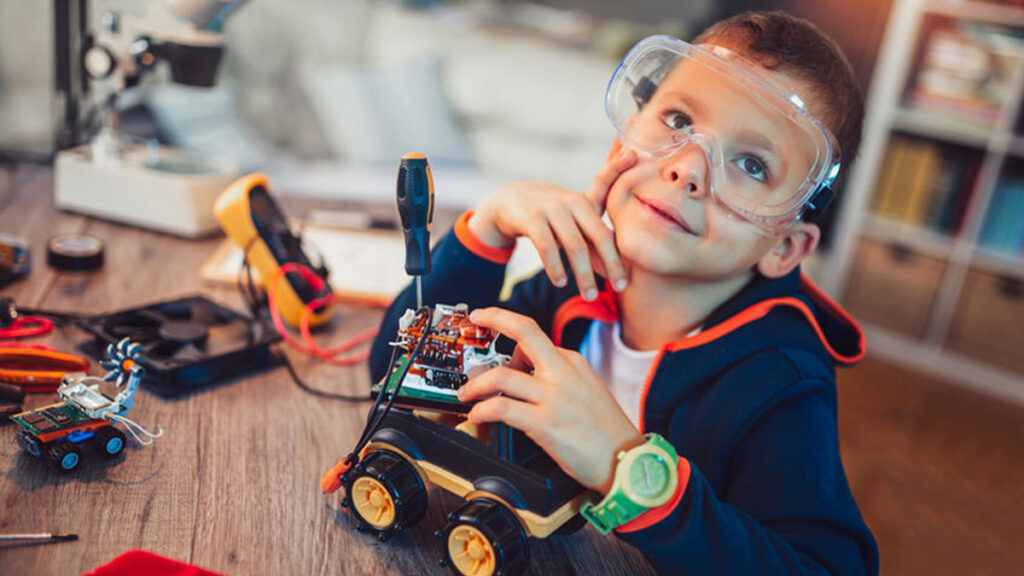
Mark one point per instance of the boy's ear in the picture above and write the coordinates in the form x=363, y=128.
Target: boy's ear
x=799, y=241
x=616, y=146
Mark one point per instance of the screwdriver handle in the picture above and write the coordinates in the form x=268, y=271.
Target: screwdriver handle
x=415, y=194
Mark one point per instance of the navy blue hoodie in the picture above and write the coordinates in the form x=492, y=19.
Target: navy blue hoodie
x=749, y=404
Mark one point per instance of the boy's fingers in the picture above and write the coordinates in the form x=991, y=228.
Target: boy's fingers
x=535, y=344
x=516, y=414
x=505, y=381
x=520, y=361
x=602, y=241
x=602, y=183
x=547, y=247
x=575, y=246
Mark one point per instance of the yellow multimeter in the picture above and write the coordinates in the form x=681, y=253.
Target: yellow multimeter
x=253, y=221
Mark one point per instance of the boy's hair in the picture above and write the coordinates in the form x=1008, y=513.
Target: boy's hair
x=786, y=43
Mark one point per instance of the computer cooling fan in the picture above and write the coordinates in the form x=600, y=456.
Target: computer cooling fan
x=186, y=343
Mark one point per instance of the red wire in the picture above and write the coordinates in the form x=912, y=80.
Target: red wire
x=311, y=348
x=330, y=354
x=27, y=326
x=43, y=347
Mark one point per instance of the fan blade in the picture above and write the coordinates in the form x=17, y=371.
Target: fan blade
x=228, y=337
x=160, y=349
x=188, y=353
x=208, y=314
x=134, y=325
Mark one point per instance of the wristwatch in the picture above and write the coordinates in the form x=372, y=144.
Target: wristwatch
x=645, y=477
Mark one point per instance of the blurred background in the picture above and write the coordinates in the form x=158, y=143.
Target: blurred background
x=924, y=245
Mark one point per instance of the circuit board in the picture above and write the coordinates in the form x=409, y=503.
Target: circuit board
x=454, y=351
x=50, y=418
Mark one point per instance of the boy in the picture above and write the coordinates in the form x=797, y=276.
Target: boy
x=720, y=167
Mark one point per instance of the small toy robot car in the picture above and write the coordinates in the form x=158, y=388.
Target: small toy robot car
x=84, y=414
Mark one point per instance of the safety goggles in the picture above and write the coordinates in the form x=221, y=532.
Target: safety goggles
x=765, y=157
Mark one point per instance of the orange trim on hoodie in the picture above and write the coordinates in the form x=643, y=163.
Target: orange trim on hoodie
x=604, y=308
x=761, y=309
x=478, y=246
x=655, y=515
x=822, y=299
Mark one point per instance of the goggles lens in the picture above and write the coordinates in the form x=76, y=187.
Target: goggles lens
x=764, y=154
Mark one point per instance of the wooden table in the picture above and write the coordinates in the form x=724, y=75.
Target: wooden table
x=233, y=485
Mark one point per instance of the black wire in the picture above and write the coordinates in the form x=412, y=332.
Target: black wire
x=255, y=301
x=319, y=393
x=257, y=304
x=373, y=423
x=59, y=317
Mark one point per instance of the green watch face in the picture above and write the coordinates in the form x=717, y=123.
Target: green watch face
x=649, y=476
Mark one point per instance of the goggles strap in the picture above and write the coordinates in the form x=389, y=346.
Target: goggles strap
x=644, y=91
x=817, y=204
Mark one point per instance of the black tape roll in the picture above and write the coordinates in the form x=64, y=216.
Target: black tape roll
x=74, y=252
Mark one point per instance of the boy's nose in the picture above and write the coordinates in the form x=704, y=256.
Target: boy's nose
x=687, y=169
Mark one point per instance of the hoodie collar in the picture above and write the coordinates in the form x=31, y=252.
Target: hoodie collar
x=836, y=331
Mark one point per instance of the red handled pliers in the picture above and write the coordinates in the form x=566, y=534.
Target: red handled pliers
x=37, y=370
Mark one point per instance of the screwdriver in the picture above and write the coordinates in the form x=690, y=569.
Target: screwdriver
x=415, y=195
x=27, y=538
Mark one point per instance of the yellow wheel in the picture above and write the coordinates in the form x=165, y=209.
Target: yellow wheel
x=373, y=503
x=385, y=493
x=484, y=538
x=470, y=551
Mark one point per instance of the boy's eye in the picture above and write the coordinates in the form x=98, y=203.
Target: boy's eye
x=753, y=167
x=677, y=120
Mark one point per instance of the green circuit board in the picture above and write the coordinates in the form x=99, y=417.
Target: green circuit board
x=414, y=394
x=52, y=418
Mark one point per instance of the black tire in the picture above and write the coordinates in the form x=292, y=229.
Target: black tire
x=506, y=548
x=385, y=493
x=64, y=456
x=109, y=441
x=31, y=444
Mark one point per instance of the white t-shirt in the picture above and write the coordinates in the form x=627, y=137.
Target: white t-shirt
x=621, y=368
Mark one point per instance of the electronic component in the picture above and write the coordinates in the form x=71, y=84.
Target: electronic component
x=186, y=343
x=15, y=260
x=251, y=218
x=454, y=351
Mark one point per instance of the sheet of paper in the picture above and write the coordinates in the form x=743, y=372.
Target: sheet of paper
x=364, y=265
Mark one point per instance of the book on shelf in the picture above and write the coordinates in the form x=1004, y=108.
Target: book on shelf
x=1003, y=230
x=968, y=70
x=952, y=208
x=922, y=185
x=925, y=184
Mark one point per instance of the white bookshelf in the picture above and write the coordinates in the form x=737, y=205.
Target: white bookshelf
x=887, y=113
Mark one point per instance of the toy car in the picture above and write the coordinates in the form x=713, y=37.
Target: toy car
x=85, y=415
x=512, y=490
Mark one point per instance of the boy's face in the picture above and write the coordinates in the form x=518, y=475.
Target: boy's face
x=665, y=218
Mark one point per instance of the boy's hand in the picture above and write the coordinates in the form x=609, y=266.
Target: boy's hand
x=553, y=218
x=563, y=405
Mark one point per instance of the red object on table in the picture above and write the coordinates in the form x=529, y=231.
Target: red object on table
x=37, y=370
x=135, y=562
x=27, y=326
